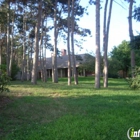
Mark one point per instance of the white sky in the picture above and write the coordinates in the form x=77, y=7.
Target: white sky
x=118, y=26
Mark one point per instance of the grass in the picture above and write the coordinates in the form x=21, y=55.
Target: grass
x=49, y=111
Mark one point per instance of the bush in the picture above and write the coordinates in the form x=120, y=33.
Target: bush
x=15, y=70
x=4, y=79
x=134, y=83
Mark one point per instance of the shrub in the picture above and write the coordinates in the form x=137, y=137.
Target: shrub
x=15, y=70
x=134, y=83
x=4, y=79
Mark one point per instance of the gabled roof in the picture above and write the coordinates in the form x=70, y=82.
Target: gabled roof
x=62, y=61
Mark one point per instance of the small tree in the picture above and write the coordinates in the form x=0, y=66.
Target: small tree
x=134, y=82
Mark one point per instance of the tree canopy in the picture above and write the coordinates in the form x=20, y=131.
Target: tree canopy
x=120, y=59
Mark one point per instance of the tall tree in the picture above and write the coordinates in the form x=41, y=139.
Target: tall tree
x=68, y=44
x=41, y=46
x=12, y=43
x=106, y=26
x=44, y=58
x=8, y=36
x=131, y=36
x=24, y=45
x=35, y=60
x=54, y=60
x=97, y=55
x=72, y=45
x=28, y=60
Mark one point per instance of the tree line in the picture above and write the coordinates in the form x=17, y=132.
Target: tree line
x=25, y=35
x=132, y=13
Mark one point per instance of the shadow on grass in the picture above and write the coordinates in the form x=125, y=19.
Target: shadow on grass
x=85, y=83
x=85, y=117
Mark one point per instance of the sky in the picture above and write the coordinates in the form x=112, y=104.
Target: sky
x=118, y=27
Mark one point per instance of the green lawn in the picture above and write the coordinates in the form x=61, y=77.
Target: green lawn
x=59, y=112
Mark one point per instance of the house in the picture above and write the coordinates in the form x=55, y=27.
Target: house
x=62, y=64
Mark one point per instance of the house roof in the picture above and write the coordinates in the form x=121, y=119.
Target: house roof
x=62, y=61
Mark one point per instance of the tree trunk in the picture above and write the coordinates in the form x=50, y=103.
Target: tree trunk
x=72, y=45
x=105, y=69
x=11, y=52
x=8, y=37
x=42, y=58
x=105, y=41
x=0, y=54
x=28, y=67
x=45, y=67
x=0, y=51
x=54, y=62
x=97, y=57
x=31, y=60
x=68, y=45
x=23, y=48
x=0, y=57
x=35, y=60
x=41, y=49
x=28, y=61
x=131, y=37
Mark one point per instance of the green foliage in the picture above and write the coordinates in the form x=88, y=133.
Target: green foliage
x=121, y=55
x=4, y=79
x=135, y=42
x=112, y=68
x=137, y=57
x=15, y=70
x=134, y=83
x=120, y=58
x=137, y=13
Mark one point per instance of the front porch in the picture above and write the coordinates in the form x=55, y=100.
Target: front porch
x=63, y=72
